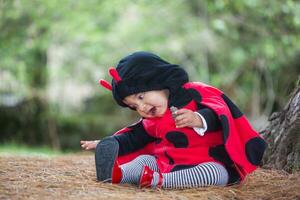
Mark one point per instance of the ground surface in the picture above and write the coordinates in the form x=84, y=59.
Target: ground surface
x=73, y=177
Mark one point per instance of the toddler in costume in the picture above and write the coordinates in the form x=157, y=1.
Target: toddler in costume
x=190, y=134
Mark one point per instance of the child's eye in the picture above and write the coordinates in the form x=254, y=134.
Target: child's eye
x=141, y=96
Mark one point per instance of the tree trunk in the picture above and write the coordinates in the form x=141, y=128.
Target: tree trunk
x=283, y=137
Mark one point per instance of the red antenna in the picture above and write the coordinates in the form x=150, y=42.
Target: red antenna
x=114, y=74
x=105, y=84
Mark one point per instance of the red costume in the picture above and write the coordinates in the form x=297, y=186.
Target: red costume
x=233, y=142
x=174, y=147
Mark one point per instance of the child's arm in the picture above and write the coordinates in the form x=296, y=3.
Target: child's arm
x=188, y=118
x=89, y=145
x=135, y=138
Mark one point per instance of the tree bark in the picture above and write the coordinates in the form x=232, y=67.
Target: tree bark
x=283, y=137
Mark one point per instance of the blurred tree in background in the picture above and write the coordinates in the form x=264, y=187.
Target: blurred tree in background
x=53, y=52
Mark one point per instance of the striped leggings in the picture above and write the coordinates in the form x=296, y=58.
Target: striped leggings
x=209, y=173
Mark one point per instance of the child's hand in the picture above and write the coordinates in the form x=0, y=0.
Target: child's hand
x=187, y=118
x=89, y=145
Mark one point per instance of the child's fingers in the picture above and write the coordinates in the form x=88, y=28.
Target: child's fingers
x=181, y=114
x=89, y=145
x=181, y=111
x=182, y=117
x=179, y=118
x=85, y=147
x=83, y=142
x=183, y=120
x=182, y=123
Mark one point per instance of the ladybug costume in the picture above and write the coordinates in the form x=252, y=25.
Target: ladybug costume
x=229, y=139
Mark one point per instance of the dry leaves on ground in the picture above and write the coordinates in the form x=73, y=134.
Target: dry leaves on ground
x=73, y=177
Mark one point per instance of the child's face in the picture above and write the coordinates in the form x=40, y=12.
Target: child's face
x=149, y=104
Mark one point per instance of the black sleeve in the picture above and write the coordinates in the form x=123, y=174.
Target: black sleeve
x=136, y=138
x=211, y=118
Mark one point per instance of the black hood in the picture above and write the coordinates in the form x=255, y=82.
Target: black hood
x=144, y=71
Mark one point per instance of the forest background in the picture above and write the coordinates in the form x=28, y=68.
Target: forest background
x=53, y=52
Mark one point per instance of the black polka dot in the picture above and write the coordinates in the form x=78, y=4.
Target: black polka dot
x=179, y=98
x=195, y=95
x=219, y=153
x=171, y=160
x=235, y=111
x=225, y=127
x=178, y=139
x=255, y=150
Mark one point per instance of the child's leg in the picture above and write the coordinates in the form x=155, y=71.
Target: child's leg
x=131, y=171
x=105, y=155
x=210, y=173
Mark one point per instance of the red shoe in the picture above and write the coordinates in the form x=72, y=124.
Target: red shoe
x=116, y=176
x=147, y=177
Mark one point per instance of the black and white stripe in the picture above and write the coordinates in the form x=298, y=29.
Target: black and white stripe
x=132, y=170
x=205, y=174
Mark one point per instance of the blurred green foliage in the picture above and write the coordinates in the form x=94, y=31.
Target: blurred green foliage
x=248, y=48
x=26, y=150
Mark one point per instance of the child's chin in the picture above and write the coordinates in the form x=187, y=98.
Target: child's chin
x=153, y=116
